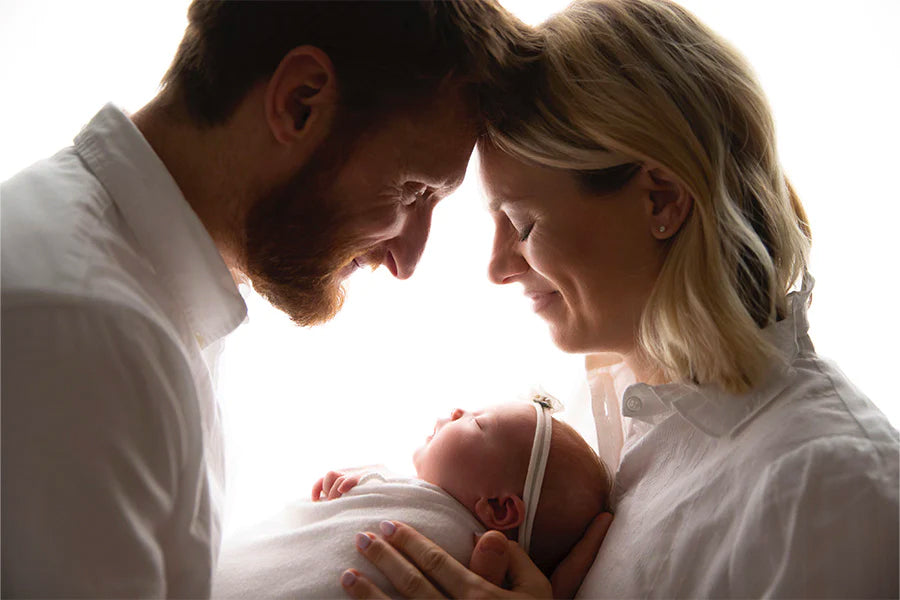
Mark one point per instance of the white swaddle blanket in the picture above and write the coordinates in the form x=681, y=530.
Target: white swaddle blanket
x=302, y=551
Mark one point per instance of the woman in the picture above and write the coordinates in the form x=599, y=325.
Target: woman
x=638, y=198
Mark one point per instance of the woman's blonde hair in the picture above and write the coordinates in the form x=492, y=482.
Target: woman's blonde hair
x=646, y=79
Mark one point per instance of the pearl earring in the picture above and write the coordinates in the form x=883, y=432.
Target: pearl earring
x=662, y=228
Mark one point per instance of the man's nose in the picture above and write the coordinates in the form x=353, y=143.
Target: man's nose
x=405, y=250
x=507, y=262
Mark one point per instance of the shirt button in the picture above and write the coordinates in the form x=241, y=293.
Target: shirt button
x=633, y=404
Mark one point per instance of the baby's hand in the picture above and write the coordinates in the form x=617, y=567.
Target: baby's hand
x=334, y=484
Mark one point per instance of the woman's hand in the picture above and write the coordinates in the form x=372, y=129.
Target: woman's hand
x=402, y=544
x=418, y=568
x=569, y=574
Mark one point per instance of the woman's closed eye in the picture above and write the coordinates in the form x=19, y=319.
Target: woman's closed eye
x=522, y=222
x=522, y=228
x=524, y=232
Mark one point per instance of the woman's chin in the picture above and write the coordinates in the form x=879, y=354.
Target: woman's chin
x=564, y=341
x=574, y=341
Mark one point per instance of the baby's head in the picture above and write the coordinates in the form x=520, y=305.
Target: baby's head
x=481, y=458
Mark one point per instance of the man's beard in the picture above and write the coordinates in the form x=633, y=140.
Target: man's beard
x=296, y=243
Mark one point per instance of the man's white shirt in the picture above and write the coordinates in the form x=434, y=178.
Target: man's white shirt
x=112, y=291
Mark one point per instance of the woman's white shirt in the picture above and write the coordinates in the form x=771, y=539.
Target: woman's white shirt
x=788, y=491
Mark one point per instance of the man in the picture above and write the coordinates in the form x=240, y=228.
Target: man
x=291, y=144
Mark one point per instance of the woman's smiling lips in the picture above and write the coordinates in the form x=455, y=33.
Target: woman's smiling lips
x=541, y=300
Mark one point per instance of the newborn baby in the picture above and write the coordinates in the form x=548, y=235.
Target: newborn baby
x=511, y=467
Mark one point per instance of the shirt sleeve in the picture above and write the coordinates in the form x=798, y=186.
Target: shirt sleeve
x=822, y=523
x=94, y=435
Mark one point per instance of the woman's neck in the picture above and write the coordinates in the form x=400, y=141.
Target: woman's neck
x=645, y=370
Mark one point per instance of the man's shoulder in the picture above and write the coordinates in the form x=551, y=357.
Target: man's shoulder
x=61, y=183
x=64, y=242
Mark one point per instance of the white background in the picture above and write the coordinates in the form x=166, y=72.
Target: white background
x=367, y=387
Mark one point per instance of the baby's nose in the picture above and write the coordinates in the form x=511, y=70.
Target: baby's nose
x=457, y=414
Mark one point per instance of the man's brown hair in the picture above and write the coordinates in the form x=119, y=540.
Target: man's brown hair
x=387, y=54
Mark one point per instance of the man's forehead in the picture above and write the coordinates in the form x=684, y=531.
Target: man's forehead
x=452, y=115
x=441, y=162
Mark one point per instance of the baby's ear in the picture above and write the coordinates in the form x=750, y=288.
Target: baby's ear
x=503, y=513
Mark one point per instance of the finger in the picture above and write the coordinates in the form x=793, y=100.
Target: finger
x=357, y=586
x=490, y=558
x=440, y=567
x=524, y=575
x=335, y=491
x=348, y=483
x=317, y=490
x=408, y=580
x=329, y=481
x=573, y=569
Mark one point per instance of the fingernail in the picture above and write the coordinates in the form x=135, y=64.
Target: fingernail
x=494, y=546
x=388, y=528
x=348, y=578
x=363, y=541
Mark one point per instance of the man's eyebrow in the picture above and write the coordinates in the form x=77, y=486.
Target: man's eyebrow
x=443, y=186
x=450, y=185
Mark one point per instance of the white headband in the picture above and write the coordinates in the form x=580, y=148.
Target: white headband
x=544, y=405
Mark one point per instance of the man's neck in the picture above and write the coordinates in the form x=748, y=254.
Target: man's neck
x=201, y=163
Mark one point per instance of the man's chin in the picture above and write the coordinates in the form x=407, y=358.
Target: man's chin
x=306, y=308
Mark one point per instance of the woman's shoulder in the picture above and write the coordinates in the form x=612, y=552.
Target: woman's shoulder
x=819, y=406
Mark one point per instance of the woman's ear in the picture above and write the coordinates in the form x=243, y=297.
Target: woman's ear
x=301, y=96
x=669, y=204
x=503, y=513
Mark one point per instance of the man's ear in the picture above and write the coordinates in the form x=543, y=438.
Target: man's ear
x=301, y=96
x=503, y=513
x=669, y=202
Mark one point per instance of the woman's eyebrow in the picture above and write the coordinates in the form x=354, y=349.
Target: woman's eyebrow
x=497, y=202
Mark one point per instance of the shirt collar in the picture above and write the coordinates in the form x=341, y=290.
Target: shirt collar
x=713, y=410
x=170, y=233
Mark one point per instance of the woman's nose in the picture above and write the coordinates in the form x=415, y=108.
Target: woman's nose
x=507, y=262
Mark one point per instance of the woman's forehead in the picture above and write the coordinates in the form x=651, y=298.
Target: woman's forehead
x=507, y=180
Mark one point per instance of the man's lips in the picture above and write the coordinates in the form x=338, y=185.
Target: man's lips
x=348, y=269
